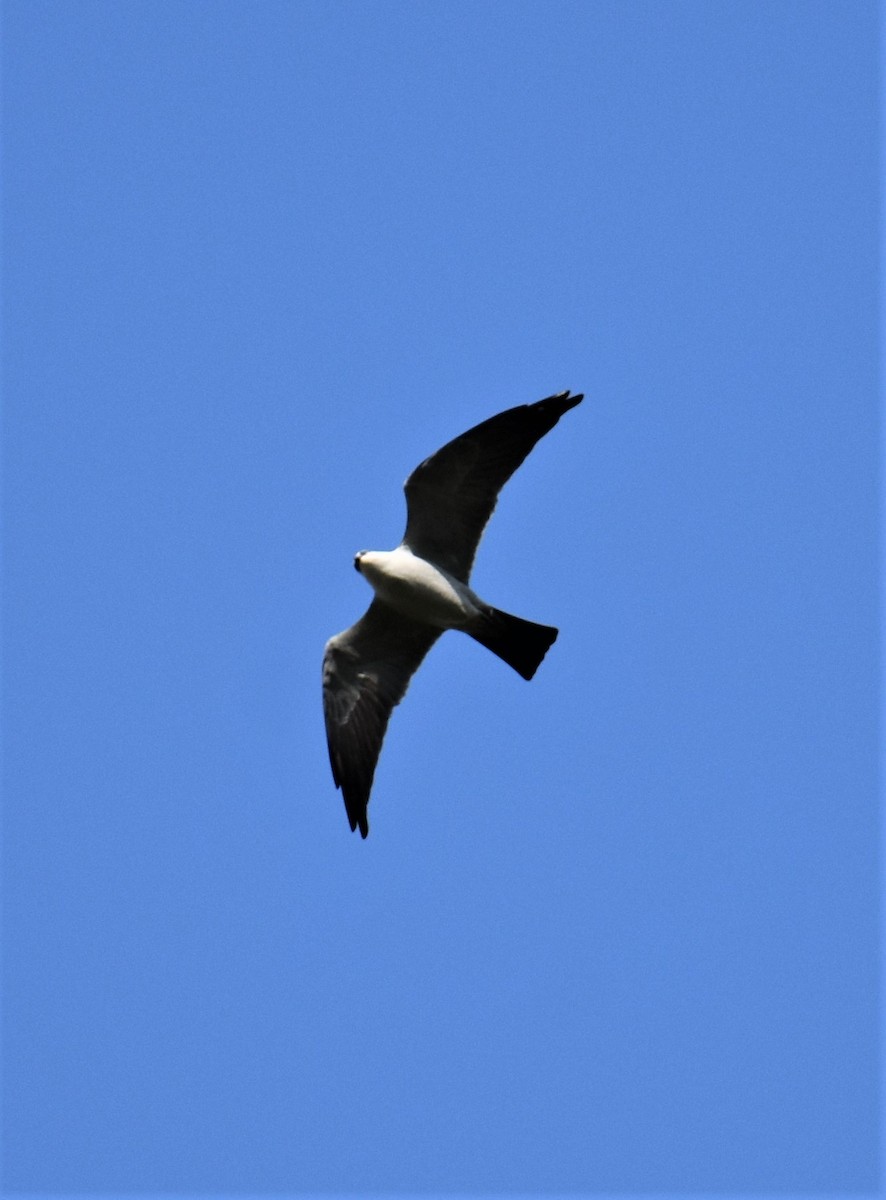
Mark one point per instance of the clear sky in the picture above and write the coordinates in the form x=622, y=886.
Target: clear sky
x=613, y=930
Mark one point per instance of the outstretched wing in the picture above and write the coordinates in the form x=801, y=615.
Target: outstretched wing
x=366, y=671
x=452, y=494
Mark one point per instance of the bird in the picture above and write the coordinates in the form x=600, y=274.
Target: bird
x=422, y=589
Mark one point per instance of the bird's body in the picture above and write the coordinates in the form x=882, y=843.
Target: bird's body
x=416, y=588
x=421, y=589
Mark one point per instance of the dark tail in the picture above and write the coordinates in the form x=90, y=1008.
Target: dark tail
x=522, y=644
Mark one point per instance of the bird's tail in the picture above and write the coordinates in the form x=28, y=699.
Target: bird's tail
x=521, y=644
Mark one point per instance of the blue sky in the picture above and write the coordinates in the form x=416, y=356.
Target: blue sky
x=613, y=931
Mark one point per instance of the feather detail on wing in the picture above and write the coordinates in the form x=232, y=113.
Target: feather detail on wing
x=366, y=671
x=451, y=495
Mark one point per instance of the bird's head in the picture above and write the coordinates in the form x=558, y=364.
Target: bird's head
x=357, y=558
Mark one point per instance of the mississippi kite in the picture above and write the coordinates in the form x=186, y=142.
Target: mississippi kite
x=421, y=589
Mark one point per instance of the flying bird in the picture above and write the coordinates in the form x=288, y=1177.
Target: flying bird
x=421, y=589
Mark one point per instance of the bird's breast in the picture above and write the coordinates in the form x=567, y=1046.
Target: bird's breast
x=418, y=589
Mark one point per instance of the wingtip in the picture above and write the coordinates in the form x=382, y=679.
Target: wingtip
x=564, y=400
x=570, y=400
x=358, y=820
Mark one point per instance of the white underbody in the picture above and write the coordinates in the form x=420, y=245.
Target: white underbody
x=415, y=587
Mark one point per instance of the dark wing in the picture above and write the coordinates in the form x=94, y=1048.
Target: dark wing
x=366, y=671
x=452, y=494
